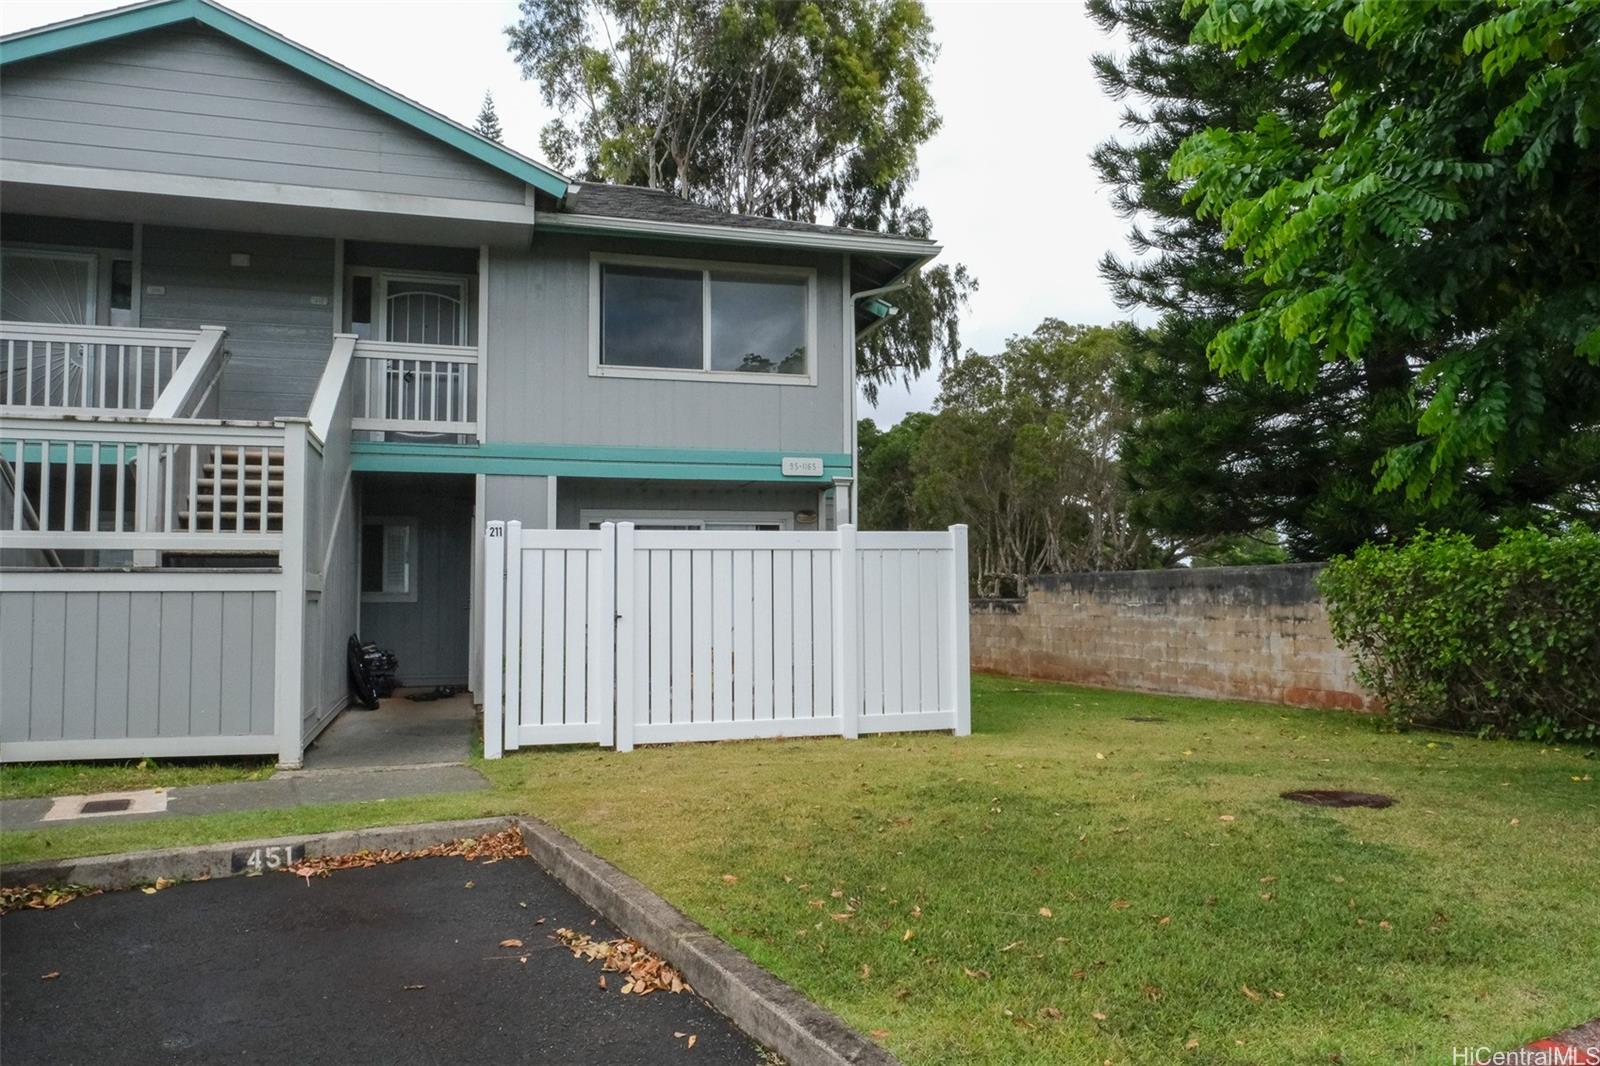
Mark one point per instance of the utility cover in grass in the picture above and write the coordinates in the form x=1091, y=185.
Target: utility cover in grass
x=1326, y=797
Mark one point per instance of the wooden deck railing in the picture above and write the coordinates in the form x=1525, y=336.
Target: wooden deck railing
x=415, y=388
x=136, y=484
x=98, y=370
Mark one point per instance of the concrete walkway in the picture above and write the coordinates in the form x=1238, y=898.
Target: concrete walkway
x=400, y=732
x=401, y=749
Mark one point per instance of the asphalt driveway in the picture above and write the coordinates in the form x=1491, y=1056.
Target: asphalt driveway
x=390, y=964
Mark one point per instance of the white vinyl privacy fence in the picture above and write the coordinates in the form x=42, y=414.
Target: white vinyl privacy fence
x=623, y=636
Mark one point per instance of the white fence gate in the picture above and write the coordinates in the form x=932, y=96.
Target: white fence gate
x=626, y=636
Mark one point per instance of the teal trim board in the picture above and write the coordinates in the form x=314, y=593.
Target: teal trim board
x=122, y=22
x=599, y=461
x=85, y=454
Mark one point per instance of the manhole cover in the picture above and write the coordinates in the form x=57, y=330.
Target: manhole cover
x=106, y=806
x=1327, y=797
x=1143, y=718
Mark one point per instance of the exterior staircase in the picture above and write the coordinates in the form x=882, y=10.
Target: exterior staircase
x=216, y=503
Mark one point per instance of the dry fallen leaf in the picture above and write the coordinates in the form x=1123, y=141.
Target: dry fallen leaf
x=879, y=1034
x=511, y=942
x=907, y=936
x=729, y=879
x=469, y=884
x=1044, y=912
x=1224, y=817
x=412, y=988
x=1192, y=1044
x=692, y=1039
x=1120, y=904
x=1053, y=1013
x=1099, y=755
x=1253, y=996
x=842, y=916
x=602, y=982
x=51, y=976
x=1097, y=1016
x=1267, y=880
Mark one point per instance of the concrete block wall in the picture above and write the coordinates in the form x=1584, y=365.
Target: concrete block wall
x=1233, y=632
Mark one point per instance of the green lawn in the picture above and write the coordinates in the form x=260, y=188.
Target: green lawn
x=1173, y=876
x=20, y=780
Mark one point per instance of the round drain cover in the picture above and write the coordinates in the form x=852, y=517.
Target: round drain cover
x=1326, y=797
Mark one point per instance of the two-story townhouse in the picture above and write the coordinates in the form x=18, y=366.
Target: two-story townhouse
x=277, y=342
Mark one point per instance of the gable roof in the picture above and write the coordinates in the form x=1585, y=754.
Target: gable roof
x=156, y=14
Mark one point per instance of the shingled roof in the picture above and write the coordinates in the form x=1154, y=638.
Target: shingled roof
x=657, y=205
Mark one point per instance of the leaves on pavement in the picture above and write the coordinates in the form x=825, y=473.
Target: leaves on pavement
x=645, y=972
x=490, y=848
x=41, y=897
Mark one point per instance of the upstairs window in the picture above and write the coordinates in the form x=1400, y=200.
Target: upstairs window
x=722, y=321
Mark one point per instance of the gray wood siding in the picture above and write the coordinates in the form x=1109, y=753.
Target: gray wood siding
x=540, y=390
x=132, y=663
x=278, y=338
x=193, y=102
x=574, y=495
x=431, y=635
x=520, y=499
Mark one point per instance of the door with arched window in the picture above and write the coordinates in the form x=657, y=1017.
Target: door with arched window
x=422, y=309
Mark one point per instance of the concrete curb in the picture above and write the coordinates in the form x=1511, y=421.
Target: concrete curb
x=114, y=872
x=768, y=1009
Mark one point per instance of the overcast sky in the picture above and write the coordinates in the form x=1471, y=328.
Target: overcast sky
x=1007, y=180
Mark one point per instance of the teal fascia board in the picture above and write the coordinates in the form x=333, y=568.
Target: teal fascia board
x=121, y=23
x=574, y=460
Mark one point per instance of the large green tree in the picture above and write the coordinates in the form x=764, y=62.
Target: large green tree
x=886, y=463
x=1024, y=449
x=797, y=110
x=1212, y=454
x=1439, y=218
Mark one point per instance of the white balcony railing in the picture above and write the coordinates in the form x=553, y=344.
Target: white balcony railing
x=100, y=370
x=415, y=388
x=176, y=485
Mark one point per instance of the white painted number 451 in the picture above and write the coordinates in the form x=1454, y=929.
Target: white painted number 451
x=272, y=857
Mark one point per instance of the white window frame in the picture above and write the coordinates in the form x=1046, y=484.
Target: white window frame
x=413, y=571
x=645, y=517
x=597, y=369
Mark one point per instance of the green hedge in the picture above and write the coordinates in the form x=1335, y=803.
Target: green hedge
x=1502, y=641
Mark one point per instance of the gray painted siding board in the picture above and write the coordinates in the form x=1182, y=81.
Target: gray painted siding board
x=77, y=696
x=237, y=636
x=522, y=499
x=538, y=364
x=263, y=626
x=49, y=663
x=171, y=73
x=206, y=666
x=144, y=664
x=111, y=666
x=16, y=665
x=177, y=636
x=577, y=494
x=278, y=339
